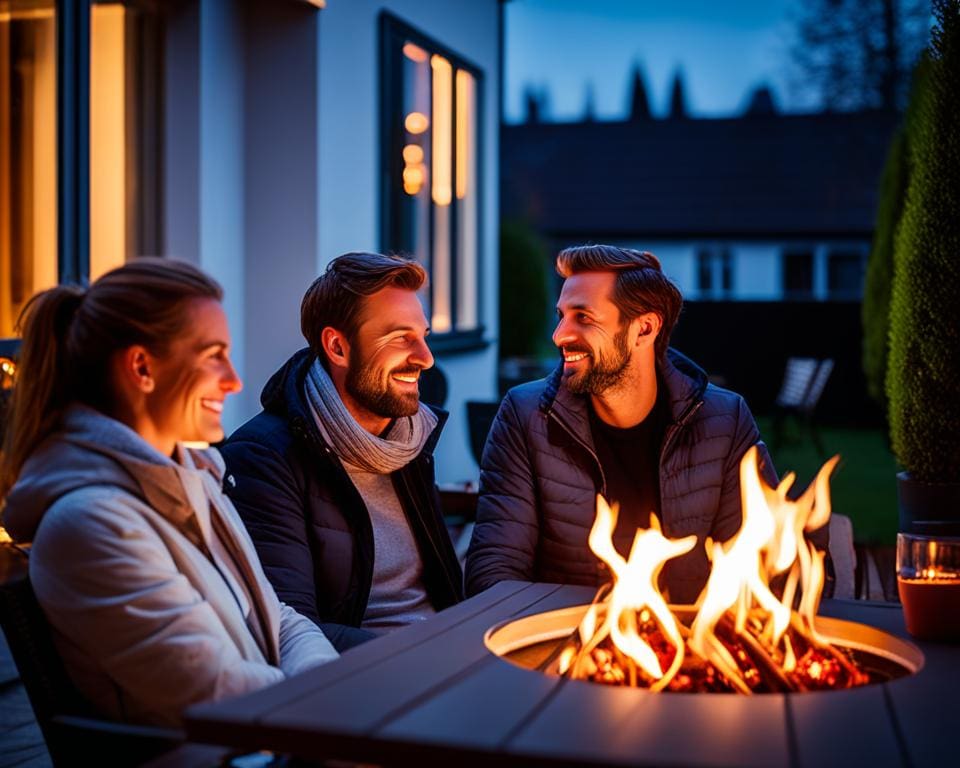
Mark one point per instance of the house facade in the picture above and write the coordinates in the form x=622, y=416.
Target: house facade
x=754, y=208
x=260, y=140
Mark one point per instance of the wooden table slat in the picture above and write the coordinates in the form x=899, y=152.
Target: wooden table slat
x=476, y=712
x=925, y=707
x=842, y=728
x=242, y=709
x=346, y=705
x=589, y=723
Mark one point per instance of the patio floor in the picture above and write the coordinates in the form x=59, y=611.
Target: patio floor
x=21, y=743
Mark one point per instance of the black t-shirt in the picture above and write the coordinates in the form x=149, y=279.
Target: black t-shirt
x=631, y=467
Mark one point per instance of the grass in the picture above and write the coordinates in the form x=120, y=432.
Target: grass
x=863, y=487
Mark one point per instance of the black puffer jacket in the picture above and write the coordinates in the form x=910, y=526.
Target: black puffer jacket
x=308, y=521
x=540, y=476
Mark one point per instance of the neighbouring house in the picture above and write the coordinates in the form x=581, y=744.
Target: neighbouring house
x=260, y=140
x=754, y=208
x=764, y=222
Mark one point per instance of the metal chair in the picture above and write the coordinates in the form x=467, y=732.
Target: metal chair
x=74, y=734
x=804, y=380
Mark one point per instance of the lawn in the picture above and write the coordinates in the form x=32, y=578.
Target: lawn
x=864, y=485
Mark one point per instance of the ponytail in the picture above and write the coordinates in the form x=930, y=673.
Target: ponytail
x=42, y=380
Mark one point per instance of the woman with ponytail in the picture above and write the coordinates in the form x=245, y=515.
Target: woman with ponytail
x=154, y=591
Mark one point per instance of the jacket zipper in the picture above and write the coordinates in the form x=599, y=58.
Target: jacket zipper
x=577, y=439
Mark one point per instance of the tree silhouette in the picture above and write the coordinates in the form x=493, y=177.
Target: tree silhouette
x=589, y=104
x=535, y=103
x=678, y=98
x=858, y=54
x=639, y=101
x=761, y=103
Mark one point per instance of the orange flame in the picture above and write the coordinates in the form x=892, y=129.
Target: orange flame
x=770, y=543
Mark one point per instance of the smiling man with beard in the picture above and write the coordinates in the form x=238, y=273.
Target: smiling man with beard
x=622, y=416
x=334, y=478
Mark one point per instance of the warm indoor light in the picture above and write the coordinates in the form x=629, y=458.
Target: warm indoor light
x=416, y=122
x=442, y=186
x=414, y=52
x=464, y=131
x=108, y=139
x=413, y=154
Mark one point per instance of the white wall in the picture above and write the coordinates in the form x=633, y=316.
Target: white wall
x=349, y=182
x=272, y=131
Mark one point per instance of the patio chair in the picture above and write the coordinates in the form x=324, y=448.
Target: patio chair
x=804, y=380
x=74, y=734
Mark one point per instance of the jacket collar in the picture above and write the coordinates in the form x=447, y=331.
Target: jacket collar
x=685, y=382
x=92, y=448
x=284, y=395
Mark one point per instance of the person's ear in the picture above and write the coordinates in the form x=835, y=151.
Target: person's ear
x=335, y=347
x=136, y=368
x=648, y=328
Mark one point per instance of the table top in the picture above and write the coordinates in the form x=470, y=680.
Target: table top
x=432, y=693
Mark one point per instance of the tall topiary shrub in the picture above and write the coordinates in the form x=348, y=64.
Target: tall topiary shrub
x=923, y=378
x=875, y=310
x=524, y=291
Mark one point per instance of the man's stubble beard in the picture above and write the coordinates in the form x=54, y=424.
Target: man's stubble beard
x=373, y=392
x=603, y=374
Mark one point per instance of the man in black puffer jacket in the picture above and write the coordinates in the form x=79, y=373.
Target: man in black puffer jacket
x=621, y=417
x=334, y=479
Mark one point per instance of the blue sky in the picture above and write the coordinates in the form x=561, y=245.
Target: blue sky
x=724, y=48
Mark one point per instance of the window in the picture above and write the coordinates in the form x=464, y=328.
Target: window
x=845, y=273
x=28, y=155
x=74, y=210
x=798, y=275
x=430, y=162
x=714, y=273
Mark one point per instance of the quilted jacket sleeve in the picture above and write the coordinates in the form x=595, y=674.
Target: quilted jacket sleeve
x=267, y=496
x=505, y=537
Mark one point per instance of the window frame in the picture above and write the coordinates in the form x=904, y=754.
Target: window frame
x=393, y=33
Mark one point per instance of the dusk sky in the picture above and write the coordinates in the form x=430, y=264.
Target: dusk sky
x=725, y=50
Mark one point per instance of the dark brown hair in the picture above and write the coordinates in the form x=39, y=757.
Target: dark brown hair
x=70, y=334
x=640, y=286
x=335, y=299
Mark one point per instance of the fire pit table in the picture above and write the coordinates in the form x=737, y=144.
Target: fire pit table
x=434, y=694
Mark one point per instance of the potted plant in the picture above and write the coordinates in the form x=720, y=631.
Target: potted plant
x=923, y=376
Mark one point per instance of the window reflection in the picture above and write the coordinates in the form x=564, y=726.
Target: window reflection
x=28, y=172
x=431, y=203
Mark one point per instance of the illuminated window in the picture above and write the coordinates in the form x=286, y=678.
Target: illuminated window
x=28, y=155
x=430, y=161
x=109, y=187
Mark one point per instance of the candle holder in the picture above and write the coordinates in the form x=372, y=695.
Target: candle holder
x=928, y=579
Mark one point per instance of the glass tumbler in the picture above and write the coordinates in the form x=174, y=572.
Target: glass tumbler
x=928, y=579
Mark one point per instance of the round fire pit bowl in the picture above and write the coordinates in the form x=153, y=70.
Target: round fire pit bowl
x=531, y=642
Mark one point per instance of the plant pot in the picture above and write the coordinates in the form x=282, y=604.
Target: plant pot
x=930, y=509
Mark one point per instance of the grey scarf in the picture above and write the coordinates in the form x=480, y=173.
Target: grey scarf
x=352, y=443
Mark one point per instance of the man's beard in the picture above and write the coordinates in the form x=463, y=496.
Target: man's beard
x=602, y=373
x=373, y=392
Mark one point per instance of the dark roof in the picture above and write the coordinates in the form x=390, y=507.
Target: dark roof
x=796, y=175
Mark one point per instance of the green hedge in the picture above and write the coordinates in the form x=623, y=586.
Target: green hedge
x=524, y=291
x=923, y=378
